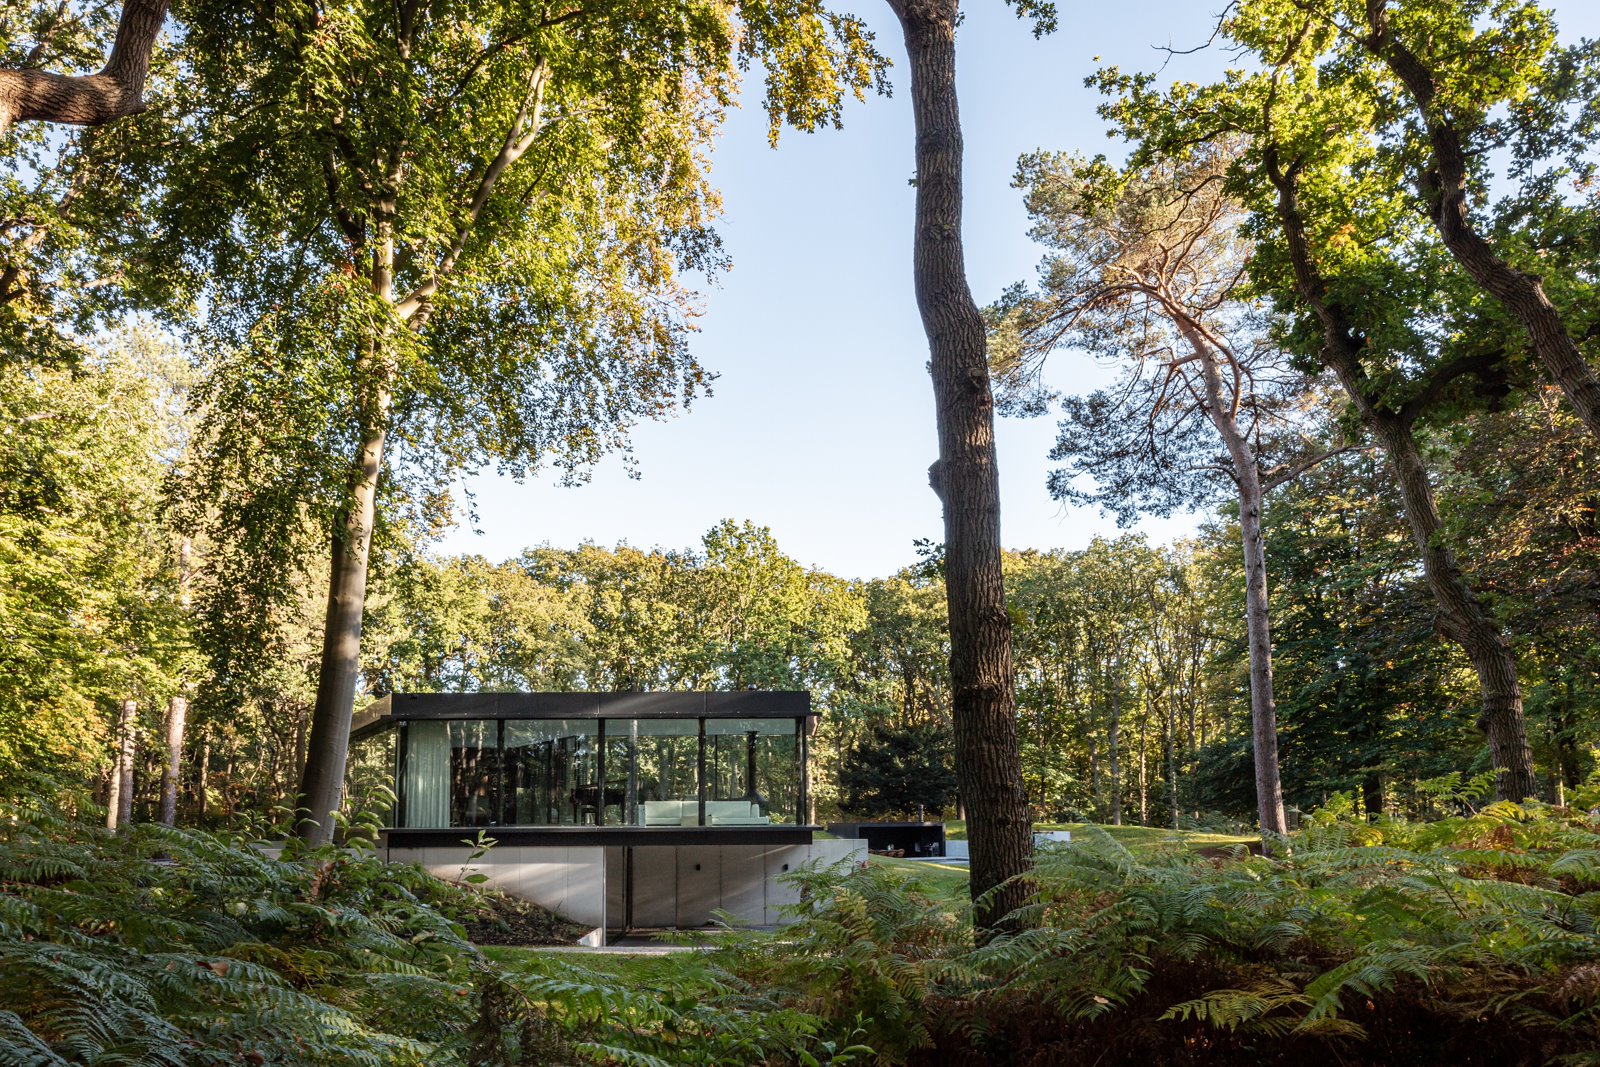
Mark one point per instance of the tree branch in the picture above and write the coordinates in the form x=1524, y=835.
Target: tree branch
x=94, y=99
x=519, y=138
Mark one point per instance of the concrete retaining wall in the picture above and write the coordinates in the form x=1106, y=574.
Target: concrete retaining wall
x=673, y=886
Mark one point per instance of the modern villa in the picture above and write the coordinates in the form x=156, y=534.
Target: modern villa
x=623, y=811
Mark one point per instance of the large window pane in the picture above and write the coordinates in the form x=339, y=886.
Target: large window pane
x=667, y=774
x=752, y=772
x=369, y=777
x=552, y=772
x=622, y=773
x=474, y=772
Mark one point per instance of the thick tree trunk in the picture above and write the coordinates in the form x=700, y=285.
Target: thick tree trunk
x=94, y=99
x=1445, y=183
x=983, y=704
x=322, y=784
x=1462, y=618
x=119, y=798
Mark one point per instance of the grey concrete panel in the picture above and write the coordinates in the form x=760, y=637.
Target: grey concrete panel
x=744, y=877
x=655, y=886
x=699, y=884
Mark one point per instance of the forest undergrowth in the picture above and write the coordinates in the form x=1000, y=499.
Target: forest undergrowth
x=1468, y=939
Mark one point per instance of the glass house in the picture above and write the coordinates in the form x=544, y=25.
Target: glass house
x=588, y=768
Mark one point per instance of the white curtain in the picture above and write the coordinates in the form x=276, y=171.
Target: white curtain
x=427, y=782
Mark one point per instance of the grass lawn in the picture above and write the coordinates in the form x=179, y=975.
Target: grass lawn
x=945, y=881
x=949, y=881
x=1129, y=836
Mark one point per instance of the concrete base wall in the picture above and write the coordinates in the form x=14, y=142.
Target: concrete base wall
x=689, y=885
x=569, y=881
x=673, y=886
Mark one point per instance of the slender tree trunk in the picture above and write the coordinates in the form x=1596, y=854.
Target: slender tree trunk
x=91, y=100
x=1445, y=183
x=202, y=781
x=322, y=785
x=1462, y=618
x=177, y=719
x=1258, y=625
x=1169, y=741
x=177, y=705
x=1144, y=770
x=966, y=479
x=1113, y=743
x=119, y=797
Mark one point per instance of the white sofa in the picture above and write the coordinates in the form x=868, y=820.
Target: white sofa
x=687, y=813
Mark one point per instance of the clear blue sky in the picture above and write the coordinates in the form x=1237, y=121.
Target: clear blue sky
x=821, y=425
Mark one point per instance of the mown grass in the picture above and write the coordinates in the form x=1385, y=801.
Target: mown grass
x=1134, y=837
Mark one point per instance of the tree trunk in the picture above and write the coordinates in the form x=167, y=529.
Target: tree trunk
x=322, y=785
x=1113, y=745
x=1258, y=625
x=202, y=781
x=119, y=798
x=177, y=719
x=965, y=477
x=1445, y=183
x=94, y=99
x=1169, y=743
x=1462, y=618
x=177, y=705
x=1144, y=769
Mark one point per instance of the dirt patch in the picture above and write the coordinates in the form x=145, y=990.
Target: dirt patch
x=496, y=918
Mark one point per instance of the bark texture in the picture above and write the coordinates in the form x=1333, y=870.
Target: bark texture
x=1258, y=625
x=1462, y=617
x=92, y=99
x=322, y=784
x=1445, y=184
x=119, y=798
x=966, y=479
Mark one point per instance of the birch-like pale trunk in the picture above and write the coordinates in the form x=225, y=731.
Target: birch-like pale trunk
x=177, y=704
x=118, y=809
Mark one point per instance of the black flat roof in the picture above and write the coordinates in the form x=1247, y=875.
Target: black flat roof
x=737, y=704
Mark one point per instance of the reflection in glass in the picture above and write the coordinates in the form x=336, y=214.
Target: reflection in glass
x=622, y=773
x=474, y=772
x=552, y=769
x=667, y=771
x=369, y=776
x=589, y=772
x=752, y=772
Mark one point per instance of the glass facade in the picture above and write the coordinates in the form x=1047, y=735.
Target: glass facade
x=591, y=772
x=752, y=761
x=552, y=772
x=369, y=776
